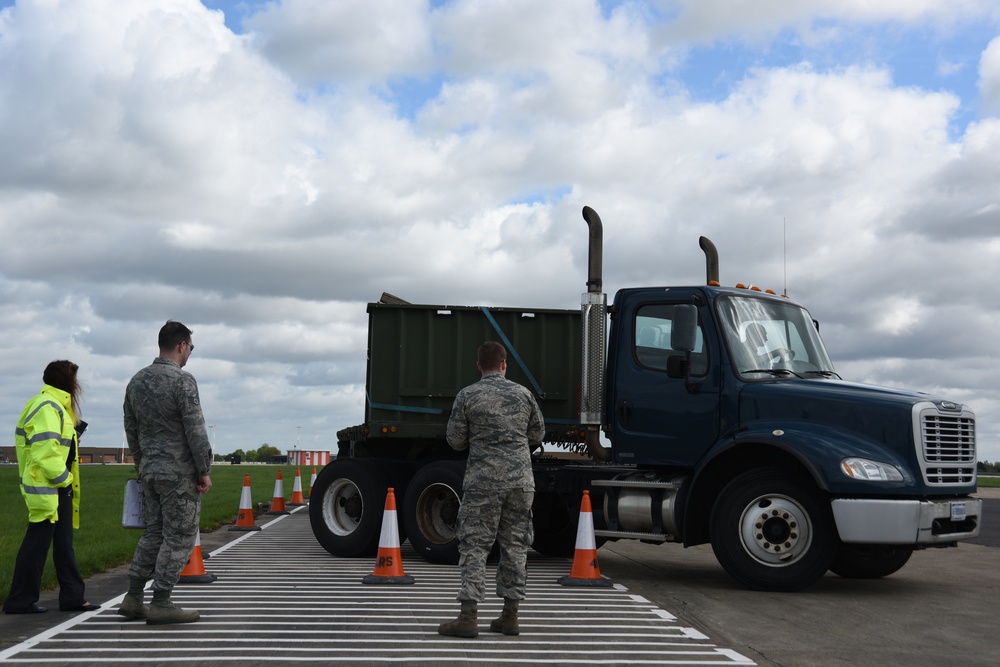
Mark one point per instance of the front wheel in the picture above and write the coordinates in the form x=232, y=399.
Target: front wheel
x=870, y=561
x=771, y=532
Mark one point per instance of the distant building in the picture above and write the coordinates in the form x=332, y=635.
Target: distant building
x=300, y=457
x=87, y=455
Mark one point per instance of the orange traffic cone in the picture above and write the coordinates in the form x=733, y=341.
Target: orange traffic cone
x=297, y=499
x=278, y=502
x=585, y=571
x=244, y=520
x=389, y=564
x=194, y=571
x=312, y=483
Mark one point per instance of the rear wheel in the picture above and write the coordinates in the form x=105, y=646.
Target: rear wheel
x=430, y=510
x=771, y=532
x=346, y=507
x=870, y=561
x=555, y=526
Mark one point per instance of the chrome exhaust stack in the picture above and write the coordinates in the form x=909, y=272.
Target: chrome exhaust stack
x=593, y=316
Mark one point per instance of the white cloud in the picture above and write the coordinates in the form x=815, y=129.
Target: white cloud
x=262, y=188
x=989, y=77
x=347, y=41
x=898, y=315
x=818, y=21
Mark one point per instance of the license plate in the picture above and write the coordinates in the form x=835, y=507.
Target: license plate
x=958, y=511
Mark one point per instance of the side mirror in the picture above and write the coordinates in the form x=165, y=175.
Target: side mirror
x=683, y=328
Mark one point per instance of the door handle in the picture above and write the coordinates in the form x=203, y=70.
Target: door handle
x=625, y=411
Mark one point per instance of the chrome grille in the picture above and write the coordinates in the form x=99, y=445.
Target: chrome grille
x=949, y=448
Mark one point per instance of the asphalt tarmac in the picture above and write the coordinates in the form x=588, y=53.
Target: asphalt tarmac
x=939, y=609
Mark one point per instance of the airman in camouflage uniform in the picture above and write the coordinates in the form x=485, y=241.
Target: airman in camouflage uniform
x=166, y=434
x=497, y=420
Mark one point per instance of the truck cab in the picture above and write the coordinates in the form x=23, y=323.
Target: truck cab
x=729, y=393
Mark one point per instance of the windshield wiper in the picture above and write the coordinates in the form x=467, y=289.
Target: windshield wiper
x=773, y=371
x=825, y=374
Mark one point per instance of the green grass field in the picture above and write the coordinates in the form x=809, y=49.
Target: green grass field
x=101, y=543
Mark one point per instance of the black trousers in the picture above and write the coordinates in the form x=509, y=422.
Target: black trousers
x=26, y=585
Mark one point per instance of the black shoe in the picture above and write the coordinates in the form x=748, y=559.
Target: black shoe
x=86, y=606
x=33, y=609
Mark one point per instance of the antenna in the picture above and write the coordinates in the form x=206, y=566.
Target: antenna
x=784, y=255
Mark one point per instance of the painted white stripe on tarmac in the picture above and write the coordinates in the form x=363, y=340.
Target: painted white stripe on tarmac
x=281, y=598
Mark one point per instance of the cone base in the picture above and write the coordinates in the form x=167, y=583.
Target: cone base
x=603, y=582
x=197, y=578
x=295, y=504
x=272, y=512
x=245, y=528
x=378, y=579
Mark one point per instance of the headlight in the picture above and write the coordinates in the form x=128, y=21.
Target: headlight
x=870, y=471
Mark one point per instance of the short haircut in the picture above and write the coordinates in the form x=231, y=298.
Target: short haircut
x=173, y=334
x=491, y=353
x=62, y=375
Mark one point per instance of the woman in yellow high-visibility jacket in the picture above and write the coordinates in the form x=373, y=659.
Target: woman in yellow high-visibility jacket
x=46, y=441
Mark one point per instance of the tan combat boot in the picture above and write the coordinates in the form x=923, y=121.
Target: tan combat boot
x=132, y=607
x=466, y=625
x=507, y=623
x=163, y=612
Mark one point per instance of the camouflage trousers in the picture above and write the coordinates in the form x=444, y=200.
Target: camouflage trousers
x=485, y=517
x=172, y=510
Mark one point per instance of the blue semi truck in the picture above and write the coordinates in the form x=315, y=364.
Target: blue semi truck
x=725, y=420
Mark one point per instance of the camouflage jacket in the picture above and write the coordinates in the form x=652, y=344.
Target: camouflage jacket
x=164, y=425
x=497, y=419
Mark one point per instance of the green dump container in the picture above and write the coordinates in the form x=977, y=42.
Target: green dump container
x=420, y=356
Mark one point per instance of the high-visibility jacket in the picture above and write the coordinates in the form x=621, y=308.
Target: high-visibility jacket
x=44, y=438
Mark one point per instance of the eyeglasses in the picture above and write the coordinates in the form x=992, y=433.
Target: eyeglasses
x=189, y=344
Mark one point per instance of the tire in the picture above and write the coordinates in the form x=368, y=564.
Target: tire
x=555, y=526
x=430, y=510
x=870, y=561
x=771, y=532
x=347, y=505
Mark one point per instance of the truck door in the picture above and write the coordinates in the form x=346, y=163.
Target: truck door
x=657, y=420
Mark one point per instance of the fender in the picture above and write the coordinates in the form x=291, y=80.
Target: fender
x=820, y=449
x=816, y=448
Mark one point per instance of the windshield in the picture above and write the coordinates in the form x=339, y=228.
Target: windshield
x=768, y=338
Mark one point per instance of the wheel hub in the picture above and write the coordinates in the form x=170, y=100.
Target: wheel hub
x=437, y=513
x=343, y=507
x=774, y=530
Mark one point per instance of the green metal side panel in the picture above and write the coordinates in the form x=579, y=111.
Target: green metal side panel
x=420, y=356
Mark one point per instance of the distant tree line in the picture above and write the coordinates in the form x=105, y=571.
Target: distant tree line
x=986, y=466
x=264, y=454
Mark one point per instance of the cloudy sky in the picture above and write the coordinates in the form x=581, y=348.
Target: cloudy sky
x=262, y=170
